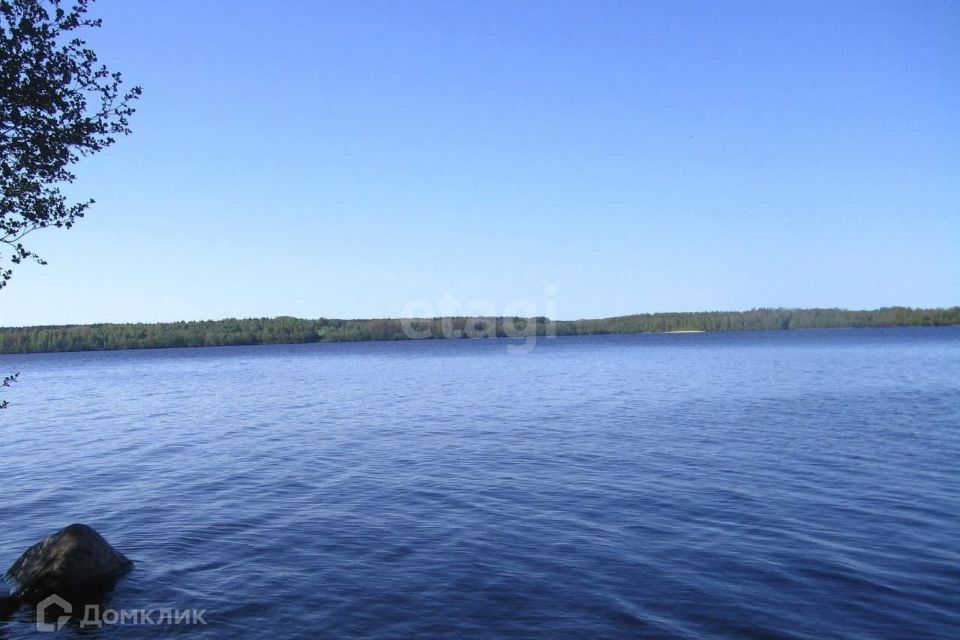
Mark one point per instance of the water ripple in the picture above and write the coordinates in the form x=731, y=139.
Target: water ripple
x=784, y=485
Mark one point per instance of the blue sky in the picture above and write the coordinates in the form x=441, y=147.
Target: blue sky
x=361, y=159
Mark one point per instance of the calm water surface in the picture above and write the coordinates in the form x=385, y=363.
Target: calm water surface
x=780, y=484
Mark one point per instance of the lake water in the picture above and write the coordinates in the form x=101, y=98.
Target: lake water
x=782, y=484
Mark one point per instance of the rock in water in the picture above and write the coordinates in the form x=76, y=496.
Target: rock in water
x=73, y=561
x=8, y=604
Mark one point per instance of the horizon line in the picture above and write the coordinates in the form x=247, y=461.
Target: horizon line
x=480, y=317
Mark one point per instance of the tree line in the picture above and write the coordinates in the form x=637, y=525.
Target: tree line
x=288, y=330
x=764, y=320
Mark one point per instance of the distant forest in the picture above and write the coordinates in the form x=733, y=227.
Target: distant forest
x=287, y=330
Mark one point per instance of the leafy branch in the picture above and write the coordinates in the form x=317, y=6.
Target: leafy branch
x=57, y=105
x=7, y=381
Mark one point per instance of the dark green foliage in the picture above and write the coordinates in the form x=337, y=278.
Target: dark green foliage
x=57, y=104
x=763, y=319
x=287, y=330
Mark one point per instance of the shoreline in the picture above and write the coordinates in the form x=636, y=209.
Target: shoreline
x=461, y=338
x=289, y=330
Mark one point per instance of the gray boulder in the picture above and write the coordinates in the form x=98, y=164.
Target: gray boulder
x=8, y=604
x=74, y=561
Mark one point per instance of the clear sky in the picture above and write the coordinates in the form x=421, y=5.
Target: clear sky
x=362, y=159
